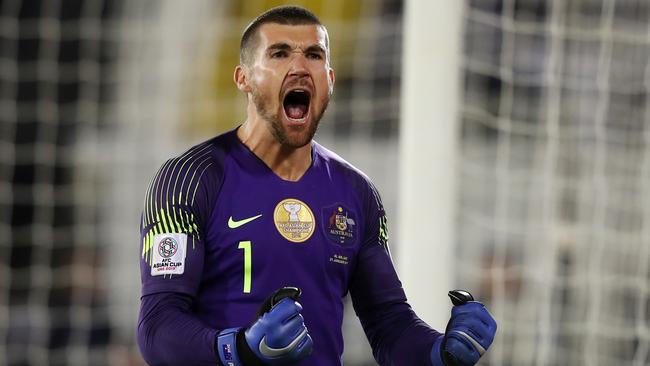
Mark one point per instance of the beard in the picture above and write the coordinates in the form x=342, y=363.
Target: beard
x=290, y=136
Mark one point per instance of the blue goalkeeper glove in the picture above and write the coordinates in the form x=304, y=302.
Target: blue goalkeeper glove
x=469, y=333
x=278, y=336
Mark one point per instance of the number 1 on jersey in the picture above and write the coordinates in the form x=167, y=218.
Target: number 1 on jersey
x=246, y=245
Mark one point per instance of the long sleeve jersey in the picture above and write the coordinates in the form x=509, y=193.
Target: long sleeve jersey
x=221, y=231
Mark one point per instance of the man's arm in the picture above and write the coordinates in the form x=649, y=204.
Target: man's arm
x=172, y=233
x=396, y=334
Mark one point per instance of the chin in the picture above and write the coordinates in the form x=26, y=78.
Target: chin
x=297, y=136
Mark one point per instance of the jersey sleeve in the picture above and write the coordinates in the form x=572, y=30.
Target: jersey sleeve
x=397, y=336
x=177, y=208
x=375, y=280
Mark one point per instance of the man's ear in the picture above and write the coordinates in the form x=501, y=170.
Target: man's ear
x=331, y=79
x=241, y=78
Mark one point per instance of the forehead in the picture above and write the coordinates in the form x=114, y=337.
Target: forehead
x=294, y=35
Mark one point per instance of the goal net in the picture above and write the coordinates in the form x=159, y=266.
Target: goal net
x=553, y=216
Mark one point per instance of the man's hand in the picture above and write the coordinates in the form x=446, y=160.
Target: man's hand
x=469, y=333
x=277, y=337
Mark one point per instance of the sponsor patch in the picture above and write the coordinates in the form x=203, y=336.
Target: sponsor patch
x=169, y=254
x=340, y=224
x=294, y=220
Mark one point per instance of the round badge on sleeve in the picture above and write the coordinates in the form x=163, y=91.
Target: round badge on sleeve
x=294, y=220
x=167, y=247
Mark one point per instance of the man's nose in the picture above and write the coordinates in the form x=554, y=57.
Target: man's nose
x=298, y=65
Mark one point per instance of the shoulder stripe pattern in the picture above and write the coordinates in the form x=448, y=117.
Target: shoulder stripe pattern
x=169, y=205
x=382, y=225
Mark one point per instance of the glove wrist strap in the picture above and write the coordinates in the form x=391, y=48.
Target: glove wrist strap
x=227, y=347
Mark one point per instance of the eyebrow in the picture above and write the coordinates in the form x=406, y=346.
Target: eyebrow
x=286, y=47
x=278, y=46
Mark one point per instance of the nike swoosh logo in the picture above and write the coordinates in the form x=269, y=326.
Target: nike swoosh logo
x=276, y=352
x=235, y=224
x=471, y=340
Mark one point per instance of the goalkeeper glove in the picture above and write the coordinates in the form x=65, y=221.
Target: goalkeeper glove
x=278, y=336
x=469, y=333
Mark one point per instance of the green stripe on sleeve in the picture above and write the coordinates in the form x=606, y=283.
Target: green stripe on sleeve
x=161, y=217
x=182, y=221
x=197, y=185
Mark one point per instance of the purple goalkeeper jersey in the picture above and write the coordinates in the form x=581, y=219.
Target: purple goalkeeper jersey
x=221, y=227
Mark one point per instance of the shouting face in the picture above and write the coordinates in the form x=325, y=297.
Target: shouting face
x=289, y=80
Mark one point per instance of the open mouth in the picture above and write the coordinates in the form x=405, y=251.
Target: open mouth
x=296, y=104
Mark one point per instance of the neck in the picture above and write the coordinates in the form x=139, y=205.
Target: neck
x=286, y=162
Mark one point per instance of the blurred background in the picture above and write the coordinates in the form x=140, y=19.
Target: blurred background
x=550, y=217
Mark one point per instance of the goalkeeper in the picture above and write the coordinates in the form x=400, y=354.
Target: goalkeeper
x=251, y=240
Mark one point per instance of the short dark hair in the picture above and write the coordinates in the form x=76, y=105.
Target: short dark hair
x=286, y=15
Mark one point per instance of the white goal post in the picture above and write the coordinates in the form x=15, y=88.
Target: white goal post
x=428, y=144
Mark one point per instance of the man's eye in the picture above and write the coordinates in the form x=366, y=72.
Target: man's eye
x=314, y=56
x=278, y=54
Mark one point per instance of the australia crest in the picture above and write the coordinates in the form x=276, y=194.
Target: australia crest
x=340, y=224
